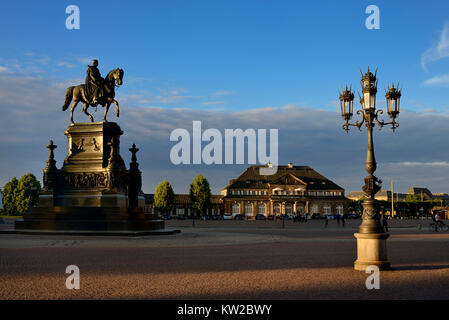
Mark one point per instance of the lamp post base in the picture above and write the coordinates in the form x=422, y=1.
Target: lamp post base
x=371, y=251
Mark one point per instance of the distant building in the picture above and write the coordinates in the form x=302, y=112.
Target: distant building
x=291, y=190
x=382, y=195
x=386, y=195
x=182, y=205
x=424, y=192
x=443, y=197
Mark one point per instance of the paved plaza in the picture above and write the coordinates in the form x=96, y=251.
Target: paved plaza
x=226, y=260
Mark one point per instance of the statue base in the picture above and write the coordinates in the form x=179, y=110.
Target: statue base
x=93, y=190
x=371, y=251
x=88, y=221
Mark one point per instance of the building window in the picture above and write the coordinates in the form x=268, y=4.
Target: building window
x=339, y=209
x=300, y=209
x=235, y=209
x=288, y=209
x=327, y=210
x=179, y=211
x=277, y=209
x=315, y=209
x=261, y=208
x=248, y=209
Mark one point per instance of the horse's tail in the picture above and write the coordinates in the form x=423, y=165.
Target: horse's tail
x=68, y=98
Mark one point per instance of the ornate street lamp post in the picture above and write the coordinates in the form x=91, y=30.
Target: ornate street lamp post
x=371, y=238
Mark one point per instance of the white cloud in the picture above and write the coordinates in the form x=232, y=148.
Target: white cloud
x=212, y=103
x=65, y=64
x=418, y=164
x=441, y=80
x=4, y=69
x=31, y=116
x=221, y=93
x=85, y=61
x=438, y=52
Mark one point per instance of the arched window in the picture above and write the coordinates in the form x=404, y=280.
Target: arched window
x=339, y=209
x=235, y=208
x=315, y=209
x=300, y=208
x=327, y=209
x=288, y=209
x=248, y=209
x=261, y=208
x=277, y=209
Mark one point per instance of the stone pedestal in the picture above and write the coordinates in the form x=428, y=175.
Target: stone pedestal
x=93, y=189
x=371, y=250
x=93, y=174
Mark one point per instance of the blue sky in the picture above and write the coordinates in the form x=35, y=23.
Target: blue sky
x=230, y=57
x=265, y=53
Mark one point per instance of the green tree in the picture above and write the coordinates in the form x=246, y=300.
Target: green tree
x=8, y=196
x=164, y=197
x=413, y=198
x=200, y=193
x=27, y=193
x=19, y=195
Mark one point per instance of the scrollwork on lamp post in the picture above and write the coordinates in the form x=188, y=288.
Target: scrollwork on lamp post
x=370, y=116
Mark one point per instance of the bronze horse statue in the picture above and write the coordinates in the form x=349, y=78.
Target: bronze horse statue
x=78, y=94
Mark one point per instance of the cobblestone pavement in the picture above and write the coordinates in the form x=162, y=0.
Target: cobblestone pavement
x=225, y=260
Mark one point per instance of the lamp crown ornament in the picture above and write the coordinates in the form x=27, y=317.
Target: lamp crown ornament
x=369, y=82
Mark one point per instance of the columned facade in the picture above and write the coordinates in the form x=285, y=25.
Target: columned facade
x=292, y=190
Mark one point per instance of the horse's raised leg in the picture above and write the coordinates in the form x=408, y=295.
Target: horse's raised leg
x=87, y=113
x=74, y=104
x=106, y=108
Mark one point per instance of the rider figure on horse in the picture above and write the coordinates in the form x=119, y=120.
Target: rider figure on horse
x=94, y=84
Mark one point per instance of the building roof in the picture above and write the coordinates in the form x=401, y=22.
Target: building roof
x=285, y=175
x=419, y=190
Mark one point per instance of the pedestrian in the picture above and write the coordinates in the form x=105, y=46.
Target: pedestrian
x=385, y=222
x=343, y=220
x=338, y=219
x=326, y=221
x=438, y=219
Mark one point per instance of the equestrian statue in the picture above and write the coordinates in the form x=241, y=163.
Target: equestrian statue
x=96, y=91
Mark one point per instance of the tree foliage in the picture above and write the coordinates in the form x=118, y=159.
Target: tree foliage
x=8, y=196
x=19, y=195
x=164, y=197
x=200, y=193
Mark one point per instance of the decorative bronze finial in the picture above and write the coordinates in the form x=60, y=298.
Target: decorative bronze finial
x=134, y=150
x=51, y=147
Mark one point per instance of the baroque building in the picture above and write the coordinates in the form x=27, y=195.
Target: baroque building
x=291, y=190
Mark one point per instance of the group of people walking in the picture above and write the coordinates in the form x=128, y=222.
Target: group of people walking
x=339, y=218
